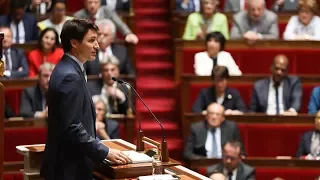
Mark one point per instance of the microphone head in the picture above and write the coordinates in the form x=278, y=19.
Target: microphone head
x=114, y=79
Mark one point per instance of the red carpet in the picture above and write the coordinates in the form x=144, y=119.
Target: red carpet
x=155, y=72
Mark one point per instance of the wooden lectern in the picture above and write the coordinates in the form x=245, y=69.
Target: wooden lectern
x=33, y=158
x=1, y=108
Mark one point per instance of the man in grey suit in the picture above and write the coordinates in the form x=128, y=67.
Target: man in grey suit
x=278, y=94
x=206, y=138
x=16, y=65
x=232, y=166
x=94, y=11
x=285, y=6
x=256, y=23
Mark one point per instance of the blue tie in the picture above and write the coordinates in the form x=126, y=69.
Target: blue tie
x=7, y=60
x=214, y=144
x=230, y=175
x=17, y=34
x=277, y=99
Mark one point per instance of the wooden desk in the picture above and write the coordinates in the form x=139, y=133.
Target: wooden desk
x=234, y=46
x=260, y=162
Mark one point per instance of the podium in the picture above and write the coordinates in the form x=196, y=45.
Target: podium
x=33, y=158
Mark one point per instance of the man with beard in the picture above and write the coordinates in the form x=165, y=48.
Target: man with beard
x=279, y=94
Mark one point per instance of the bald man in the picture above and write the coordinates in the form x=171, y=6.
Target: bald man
x=217, y=176
x=279, y=94
x=206, y=138
x=255, y=23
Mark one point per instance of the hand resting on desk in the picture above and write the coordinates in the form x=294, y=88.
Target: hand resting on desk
x=117, y=157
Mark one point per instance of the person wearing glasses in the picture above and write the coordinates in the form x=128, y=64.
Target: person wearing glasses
x=206, y=138
x=310, y=141
x=232, y=166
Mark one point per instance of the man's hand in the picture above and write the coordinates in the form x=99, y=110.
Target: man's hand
x=289, y=113
x=233, y=112
x=251, y=36
x=200, y=35
x=117, y=157
x=132, y=38
x=100, y=125
x=20, y=69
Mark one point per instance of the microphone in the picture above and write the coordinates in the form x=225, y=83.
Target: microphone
x=164, y=146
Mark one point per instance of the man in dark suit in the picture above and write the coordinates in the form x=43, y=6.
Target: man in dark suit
x=118, y=5
x=232, y=166
x=8, y=112
x=72, y=147
x=310, y=141
x=33, y=99
x=107, y=34
x=228, y=97
x=206, y=138
x=23, y=25
x=113, y=96
x=16, y=65
x=278, y=94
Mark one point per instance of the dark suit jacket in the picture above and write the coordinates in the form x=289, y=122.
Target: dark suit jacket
x=31, y=101
x=195, y=145
x=18, y=59
x=29, y=22
x=292, y=94
x=191, y=6
x=8, y=112
x=244, y=171
x=121, y=52
x=72, y=146
x=112, y=128
x=95, y=89
x=305, y=144
x=120, y=6
x=232, y=100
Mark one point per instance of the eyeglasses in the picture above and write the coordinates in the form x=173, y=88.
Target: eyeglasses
x=226, y=157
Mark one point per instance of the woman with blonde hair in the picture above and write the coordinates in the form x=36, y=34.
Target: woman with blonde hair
x=305, y=25
x=206, y=21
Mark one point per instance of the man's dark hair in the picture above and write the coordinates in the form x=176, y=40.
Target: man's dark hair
x=220, y=71
x=57, y=44
x=218, y=37
x=75, y=29
x=16, y=4
x=234, y=144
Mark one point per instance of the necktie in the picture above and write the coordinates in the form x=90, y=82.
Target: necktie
x=8, y=63
x=277, y=99
x=17, y=33
x=85, y=75
x=214, y=144
x=215, y=62
x=230, y=175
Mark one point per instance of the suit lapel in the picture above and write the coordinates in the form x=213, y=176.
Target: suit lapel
x=38, y=98
x=203, y=134
x=265, y=94
x=285, y=93
x=227, y=96
x=26, y=29
x=13, y=56
x=223, y=133
x=240, y=172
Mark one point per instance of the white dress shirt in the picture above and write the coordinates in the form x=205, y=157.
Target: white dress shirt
x=203, y=64
x=209, y=141
x=295, y=27
x=13, y=27
x=272, y=107
x=234, y=173
x=104, y=54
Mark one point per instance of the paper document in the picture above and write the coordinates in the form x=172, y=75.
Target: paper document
x=136, y=157
x=160, y=176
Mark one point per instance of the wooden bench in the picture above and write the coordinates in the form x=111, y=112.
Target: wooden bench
x=253, y=59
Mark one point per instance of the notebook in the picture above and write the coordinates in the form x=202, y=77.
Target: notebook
x=135, y=157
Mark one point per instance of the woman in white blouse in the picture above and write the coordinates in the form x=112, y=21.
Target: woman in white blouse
x=214, y=55
x=305, y=25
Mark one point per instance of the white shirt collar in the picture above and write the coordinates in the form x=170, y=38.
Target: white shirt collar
x=272, y=82
x=77, y=60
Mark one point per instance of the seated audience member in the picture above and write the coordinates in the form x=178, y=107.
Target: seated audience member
x=216, y=175
x=33, y=99
x=317, y=178
x=305, y=25
x=8, y=112
x=188, y=5
x=207, y=137
x=235, y=5
x=16, y=65
x=113, y=96
x=256, y=23
x=213, y=56
x=206, y=21
x=23, y=25
x=105, y=128
x=117, y=5
x=48, y=51
x=40, y=7
x=57, y=17
x=106, y=37
x=310, y=141
x=278, y=94
x=94, y=11
x=232, y=166
x=220, y=93
x=314, y=104
x=285, y=5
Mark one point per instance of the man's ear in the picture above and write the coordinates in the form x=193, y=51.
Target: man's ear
x=74, y=43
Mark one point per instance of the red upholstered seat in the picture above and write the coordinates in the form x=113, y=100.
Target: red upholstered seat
x=264, y=140
x=13, y=97
x=21, y=136
x=289, y=174
x=13, y=176
x=282, y=28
